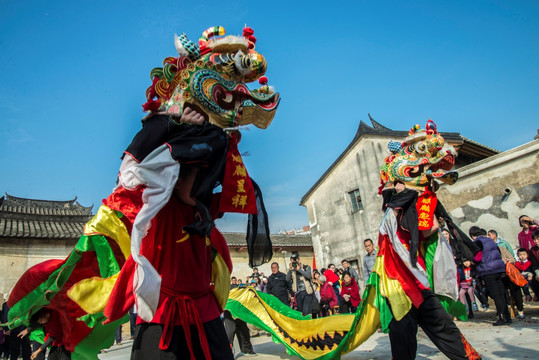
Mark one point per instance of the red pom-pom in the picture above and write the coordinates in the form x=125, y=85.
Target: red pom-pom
x=263, y=80
x=151, y=105
x=247, y=31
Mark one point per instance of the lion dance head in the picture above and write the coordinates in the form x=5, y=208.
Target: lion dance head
x=211, y=77
x=423, y=157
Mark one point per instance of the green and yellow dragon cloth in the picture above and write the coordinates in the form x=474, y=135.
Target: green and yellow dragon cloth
x=414, y=280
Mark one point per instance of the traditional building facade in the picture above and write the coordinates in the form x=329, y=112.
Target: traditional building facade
x=32, y=231
x=343, y=205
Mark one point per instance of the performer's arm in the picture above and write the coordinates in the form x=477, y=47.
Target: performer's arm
x=43, y=347
x=433, y=229
x=47, y=343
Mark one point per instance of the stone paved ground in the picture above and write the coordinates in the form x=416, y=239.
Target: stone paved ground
x=517, y=341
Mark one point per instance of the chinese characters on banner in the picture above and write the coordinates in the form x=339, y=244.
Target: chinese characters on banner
x=426, y=204
x=238, y=194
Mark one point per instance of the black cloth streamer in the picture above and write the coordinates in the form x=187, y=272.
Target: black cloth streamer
x=258, y=237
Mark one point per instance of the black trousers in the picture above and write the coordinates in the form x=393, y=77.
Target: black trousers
x=4, y=348
x=496, y=290
x=304, y=302
x=148, y=336
x=480, y=292
x=118, y=335
x=16, y=344
x=59, y=353
x=35, y=346
x=325, y=308
x=515, y=291
x=437, y=324
x=284, y=299
x=132, y=323
x=346, y=307
x=239, y=328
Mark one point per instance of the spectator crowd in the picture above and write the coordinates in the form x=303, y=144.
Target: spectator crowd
x=509, y=276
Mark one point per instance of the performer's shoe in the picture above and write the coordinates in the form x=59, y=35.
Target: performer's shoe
x=501, y=321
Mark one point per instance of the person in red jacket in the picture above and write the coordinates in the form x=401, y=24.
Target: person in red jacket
x=534, y=251
x=328, y=299
x=350, y=298
x=528, y=225
x=528, y=270
x=333, y=279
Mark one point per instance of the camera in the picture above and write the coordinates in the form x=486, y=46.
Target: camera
x=294, y=264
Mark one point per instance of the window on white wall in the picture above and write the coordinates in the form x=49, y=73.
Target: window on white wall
x=355, y=200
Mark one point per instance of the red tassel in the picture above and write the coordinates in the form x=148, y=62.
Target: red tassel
x=151, y=105
x=247, y=31
x=152, y=93
x=263, y=80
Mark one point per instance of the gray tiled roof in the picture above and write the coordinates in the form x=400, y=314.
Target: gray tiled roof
x=278, y=240
x=42, y=219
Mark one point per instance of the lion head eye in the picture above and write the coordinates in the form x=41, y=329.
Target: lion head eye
x=421, y=148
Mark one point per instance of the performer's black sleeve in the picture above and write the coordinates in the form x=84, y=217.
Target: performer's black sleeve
x=154, y=133
x=47, y=343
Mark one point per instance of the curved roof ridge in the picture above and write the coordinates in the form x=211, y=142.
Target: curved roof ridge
x=67, y=205
x=24, y=200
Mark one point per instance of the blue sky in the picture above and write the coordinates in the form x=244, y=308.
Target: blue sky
x=73, y=76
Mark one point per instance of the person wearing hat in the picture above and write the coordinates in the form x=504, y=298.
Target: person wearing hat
x=299, y=276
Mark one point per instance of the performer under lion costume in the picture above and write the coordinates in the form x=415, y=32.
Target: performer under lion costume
x=414, y=277
x=413, y=256
x=153, y=241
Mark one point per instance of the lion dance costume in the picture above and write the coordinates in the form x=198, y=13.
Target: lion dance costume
x=147, y=246
x=414, y=265
x=414, y=281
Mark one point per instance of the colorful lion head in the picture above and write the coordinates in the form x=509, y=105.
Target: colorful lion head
x=421, y=158
x=211, y=77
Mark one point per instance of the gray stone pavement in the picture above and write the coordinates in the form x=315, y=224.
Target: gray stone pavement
x=517, y=341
